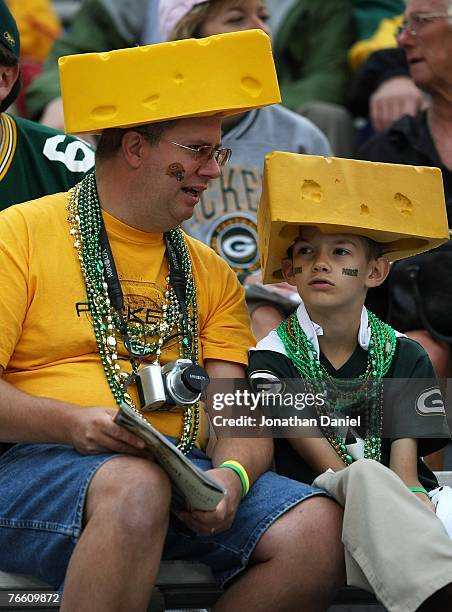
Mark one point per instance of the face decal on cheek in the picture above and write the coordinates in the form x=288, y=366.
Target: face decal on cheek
x=177, y=171
x=349, y=272
x=298, y=270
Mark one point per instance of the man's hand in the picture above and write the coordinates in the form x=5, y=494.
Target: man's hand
x=220, y=519
x=94, y=431
x=393, y=98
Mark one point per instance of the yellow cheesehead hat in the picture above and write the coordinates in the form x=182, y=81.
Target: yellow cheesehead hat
x=400, y=207
x=222, y=74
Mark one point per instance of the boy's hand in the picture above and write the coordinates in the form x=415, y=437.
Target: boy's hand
x=425, y=500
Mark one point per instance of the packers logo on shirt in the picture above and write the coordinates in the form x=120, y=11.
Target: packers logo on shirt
x=265, y=382
x=234, y=238
x=430, y=402
x=142, y=306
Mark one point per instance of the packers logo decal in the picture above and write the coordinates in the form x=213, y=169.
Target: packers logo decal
x=9, y=39
x=235, y=240
x=430, y=402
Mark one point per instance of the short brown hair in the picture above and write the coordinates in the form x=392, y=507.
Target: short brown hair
x=374, y=249
x=111, y=138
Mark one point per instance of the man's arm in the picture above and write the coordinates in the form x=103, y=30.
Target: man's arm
x=254, y=454
x=91, y=430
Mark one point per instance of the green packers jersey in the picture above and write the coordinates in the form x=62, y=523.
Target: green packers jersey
x=413, y=406
x=36, y=160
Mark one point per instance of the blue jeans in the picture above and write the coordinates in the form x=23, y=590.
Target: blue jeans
x=43, y=490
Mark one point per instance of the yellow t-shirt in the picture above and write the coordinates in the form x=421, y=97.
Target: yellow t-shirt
x=47, y=343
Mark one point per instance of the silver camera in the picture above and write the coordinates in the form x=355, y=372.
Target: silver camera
x=177, y=383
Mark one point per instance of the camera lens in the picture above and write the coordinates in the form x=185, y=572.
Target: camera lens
x=195, y=379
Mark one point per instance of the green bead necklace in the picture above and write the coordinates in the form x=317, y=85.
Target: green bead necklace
x=146, y=340
x=366, y=390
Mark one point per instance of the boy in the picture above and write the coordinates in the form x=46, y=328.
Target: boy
x=334, y=224
x=331, y=336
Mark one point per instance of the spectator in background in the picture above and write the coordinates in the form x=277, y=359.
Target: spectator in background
x=424, y=139
x=225, y=218
x=34, y=160
x=311, y=43
x=382, y=88
x=39, y=27
x=384, y=91
x=374, y=24
x=97, y=26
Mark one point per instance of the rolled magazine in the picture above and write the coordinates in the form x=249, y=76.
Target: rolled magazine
x=192, y=489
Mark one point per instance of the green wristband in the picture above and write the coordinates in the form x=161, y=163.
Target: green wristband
x=241, y=473
x=418, y=490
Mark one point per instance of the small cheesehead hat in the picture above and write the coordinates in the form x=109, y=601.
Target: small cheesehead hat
x=223, y=74
x=400, y=207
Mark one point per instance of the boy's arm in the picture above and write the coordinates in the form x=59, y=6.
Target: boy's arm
x=276, y=369
x=318, y=453
x=403, y=461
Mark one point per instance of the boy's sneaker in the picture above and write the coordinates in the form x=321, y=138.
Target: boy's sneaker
x=442, y=500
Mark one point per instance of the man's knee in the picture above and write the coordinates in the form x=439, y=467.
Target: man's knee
x=305, y=527
x=309, y=536
x=134, y=492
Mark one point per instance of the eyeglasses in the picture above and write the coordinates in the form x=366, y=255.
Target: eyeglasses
x=416, y=21
x=205, y=152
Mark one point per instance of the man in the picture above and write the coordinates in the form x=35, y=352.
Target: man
x=94, y=511
x=34, y=160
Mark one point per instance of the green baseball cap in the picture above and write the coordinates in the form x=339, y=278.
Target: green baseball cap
x=9, y=34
